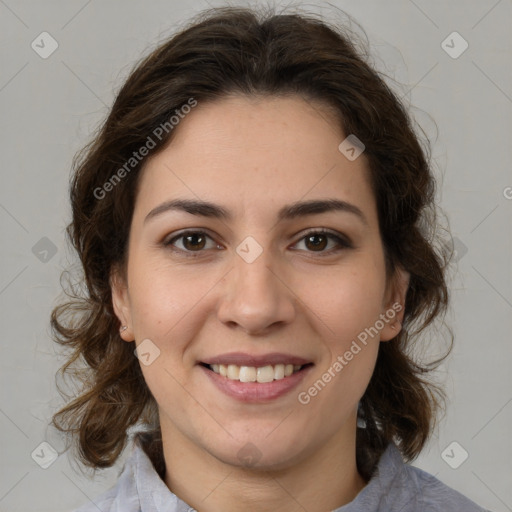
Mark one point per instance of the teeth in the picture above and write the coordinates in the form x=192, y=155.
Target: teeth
x=247, y=374
x=265, y=374
x=279, y=371
x=255, y=374
x=233, y=371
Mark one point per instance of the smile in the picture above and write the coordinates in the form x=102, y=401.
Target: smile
x=261, y=374
x=255, y=384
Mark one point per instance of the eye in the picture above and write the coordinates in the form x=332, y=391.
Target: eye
x=191, y=241
x=316, y=240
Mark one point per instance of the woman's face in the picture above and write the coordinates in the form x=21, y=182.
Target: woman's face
x=257, y=287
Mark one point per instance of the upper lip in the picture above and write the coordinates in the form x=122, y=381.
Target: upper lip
x=244, y=359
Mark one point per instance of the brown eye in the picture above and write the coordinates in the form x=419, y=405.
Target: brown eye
x=190, y=242
x=194, y=241
x=316, y=242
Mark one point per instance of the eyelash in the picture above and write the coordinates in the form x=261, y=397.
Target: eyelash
x=343, y=243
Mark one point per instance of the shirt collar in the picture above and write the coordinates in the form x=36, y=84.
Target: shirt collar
x=389, y=477
x=154, y=495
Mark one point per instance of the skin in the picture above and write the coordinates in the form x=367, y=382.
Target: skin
x=252, y=156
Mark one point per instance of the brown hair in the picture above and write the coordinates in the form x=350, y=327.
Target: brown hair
x=240, y=51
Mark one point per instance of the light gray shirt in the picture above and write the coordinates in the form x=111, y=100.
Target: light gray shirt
x=394, y=487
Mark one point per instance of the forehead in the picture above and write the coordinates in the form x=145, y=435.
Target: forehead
x=255, y=154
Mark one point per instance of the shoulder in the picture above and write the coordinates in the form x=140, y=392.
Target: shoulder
x=139, y=488
x=122, y=497
x=416, y=490
x=105, y=503
x=435, y=496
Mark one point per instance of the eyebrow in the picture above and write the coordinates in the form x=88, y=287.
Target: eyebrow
x=287, y=212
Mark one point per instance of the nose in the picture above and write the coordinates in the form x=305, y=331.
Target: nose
x=256, y=297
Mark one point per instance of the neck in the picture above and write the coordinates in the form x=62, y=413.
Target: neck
x=325, y=479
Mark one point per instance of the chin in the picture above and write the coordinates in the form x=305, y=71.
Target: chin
x=259, y=452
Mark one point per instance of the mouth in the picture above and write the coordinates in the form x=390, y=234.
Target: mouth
x=256, y=384
x=259, y=374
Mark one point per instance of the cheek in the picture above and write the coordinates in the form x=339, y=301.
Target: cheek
x=344, y=302
x=161, y=296
x=170, y=305
x=163, y=311
x=346, y=309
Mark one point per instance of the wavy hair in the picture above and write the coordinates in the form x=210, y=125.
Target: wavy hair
x=236, y=50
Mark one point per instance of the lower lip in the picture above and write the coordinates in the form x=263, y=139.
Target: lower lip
x=255, y=391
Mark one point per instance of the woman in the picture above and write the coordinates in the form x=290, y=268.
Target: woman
x=252, y=224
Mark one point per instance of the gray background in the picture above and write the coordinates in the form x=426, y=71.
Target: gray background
x=49, y=108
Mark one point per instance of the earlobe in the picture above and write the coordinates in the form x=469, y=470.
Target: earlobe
x=394, y=308
x=121, y=305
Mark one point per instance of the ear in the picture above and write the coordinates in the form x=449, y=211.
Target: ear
x=121, y=303
x=394, y=304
